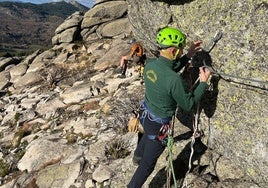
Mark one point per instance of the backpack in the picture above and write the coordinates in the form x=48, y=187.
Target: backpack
x=136, y=48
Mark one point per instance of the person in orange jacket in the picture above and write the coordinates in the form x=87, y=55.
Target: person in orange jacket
x=135, y=55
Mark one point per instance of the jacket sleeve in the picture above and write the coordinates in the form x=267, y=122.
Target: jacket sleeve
x=186, y=100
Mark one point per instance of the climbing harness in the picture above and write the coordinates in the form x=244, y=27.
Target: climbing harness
x=151, y=116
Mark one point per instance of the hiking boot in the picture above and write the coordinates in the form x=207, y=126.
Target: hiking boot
x=136, y=160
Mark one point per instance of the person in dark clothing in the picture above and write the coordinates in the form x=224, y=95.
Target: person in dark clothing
x=164, y=90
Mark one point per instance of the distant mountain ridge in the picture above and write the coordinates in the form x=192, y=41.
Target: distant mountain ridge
x=87, y=3
x=26, y=26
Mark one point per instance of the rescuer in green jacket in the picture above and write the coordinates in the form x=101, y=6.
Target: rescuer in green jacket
x=164, y=90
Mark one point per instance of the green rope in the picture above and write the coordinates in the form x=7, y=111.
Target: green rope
x=170, y=162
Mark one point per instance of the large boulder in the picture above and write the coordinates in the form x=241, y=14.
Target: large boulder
x=104, y=12
x=67, y=32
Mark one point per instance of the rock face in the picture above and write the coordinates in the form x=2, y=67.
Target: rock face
x=238, y=129
x=64, y=111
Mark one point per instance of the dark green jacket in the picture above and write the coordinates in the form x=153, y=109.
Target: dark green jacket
x=164, y=88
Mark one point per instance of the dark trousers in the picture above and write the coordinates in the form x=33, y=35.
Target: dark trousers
x=149, y=149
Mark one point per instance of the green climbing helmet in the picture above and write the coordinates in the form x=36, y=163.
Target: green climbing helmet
x=169, y=36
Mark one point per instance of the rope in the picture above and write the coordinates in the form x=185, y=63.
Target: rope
x=221, y=74
x=195, y=134
x=170, y=162
x=170, y=168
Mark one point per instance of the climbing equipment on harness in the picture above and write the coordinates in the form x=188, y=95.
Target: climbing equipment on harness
x=163, y=134
x=133, y=124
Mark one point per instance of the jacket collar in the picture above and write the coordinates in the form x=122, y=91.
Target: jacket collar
x=166, y=62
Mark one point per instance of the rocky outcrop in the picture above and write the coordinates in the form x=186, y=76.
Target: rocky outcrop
x=68, y=31
x=64, y=111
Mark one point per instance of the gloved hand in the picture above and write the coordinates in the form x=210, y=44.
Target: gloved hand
x=133, y=124
x=194, y=47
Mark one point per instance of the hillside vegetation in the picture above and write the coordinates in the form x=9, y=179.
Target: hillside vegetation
x=26, y=27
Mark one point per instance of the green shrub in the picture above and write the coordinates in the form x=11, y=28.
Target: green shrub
x=3, y=168
x=117, y=149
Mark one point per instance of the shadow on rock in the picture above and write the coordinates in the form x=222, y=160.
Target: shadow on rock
x=180, y=165
x=209, y=101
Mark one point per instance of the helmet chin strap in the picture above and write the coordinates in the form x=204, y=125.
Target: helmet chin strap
x=177, y=54
x=169, y=55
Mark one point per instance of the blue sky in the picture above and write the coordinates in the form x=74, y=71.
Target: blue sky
x=88, y=3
